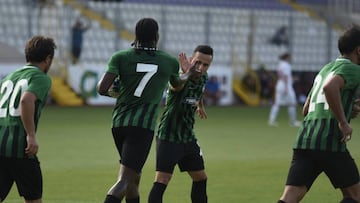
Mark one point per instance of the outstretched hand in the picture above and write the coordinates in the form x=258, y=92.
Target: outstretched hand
x=184, y=63
x=189, y=70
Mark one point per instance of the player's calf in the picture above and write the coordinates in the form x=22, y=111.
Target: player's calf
x=198, y=192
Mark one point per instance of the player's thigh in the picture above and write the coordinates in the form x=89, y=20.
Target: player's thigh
x=303, y=169
x=341, y=169
x=168, y=155
x=6, y=179
x=279, y=93
x=133, y=144
x=28, y=178
x=193, y=159
x=291, y=97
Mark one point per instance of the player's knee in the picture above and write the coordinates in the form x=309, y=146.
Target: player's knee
x=163, y=178
x=198, y=176
x=348, y=200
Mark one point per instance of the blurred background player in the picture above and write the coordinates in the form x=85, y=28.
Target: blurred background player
x=284, y=92
x=77, y=38
x=212, y=92
x=24, y=93
x=320, y=145
x=176, y=141
x=143, y=73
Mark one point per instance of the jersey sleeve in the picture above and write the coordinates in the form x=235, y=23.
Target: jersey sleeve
x=40, y=85
x=113, y=64
x=351, y=75
x=175, y=75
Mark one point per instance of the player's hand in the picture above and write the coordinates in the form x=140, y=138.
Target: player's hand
x=192, y=73
x=184, y=63
x=201, y=113
x=114, y=90
x=346, y=131
x=32, y=145
x=355, y=109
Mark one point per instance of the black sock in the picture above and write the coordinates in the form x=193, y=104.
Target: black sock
x=198, y=192
x=280, y=201
x=156, y=193
x=348, y=200
x=133, y=200
x=112, y=199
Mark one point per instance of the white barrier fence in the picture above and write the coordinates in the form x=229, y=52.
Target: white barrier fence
x=83, y=79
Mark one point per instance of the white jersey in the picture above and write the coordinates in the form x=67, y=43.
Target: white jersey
x=285, y=94
x=285, y=70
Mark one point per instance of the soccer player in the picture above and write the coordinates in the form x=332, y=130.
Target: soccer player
x=320, y=145
x=284, y=92
x=176, y=141
x=23, y=94
x=143, y=73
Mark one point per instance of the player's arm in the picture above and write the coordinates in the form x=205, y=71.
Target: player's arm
x=27, y=106
x=201, y=109
x=193, y=71
x=332, y=93
x=105, y=83
x=305, y=109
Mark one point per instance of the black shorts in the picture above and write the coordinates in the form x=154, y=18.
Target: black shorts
x=133, y=145
x=188, y=156
x=306, y=165
x=26, y=173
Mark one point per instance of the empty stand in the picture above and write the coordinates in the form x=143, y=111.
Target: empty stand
x=226, y=25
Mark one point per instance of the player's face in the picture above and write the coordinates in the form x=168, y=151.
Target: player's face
x=202, y=61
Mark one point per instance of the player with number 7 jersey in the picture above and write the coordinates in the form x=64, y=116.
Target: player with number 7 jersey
x=140, y=92
x=140, y=74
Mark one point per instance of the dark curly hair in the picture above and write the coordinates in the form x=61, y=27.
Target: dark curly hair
x=146, y=35
x=38, y=48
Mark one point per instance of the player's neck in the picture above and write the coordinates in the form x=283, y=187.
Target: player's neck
x=350, y=57
x=36, y=65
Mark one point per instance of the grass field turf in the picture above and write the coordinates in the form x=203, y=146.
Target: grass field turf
x=246, y=160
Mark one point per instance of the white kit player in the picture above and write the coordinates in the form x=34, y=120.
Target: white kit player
x=284, y=92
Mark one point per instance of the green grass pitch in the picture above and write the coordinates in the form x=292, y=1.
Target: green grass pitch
x=246, y=160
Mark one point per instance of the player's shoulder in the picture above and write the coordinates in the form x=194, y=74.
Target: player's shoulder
x=123, y=53
x=164, y=54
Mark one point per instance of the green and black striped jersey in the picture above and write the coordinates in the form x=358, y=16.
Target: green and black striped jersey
x=320, y=130
x=12, y=132
x=143, y=78
x=178, y=119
